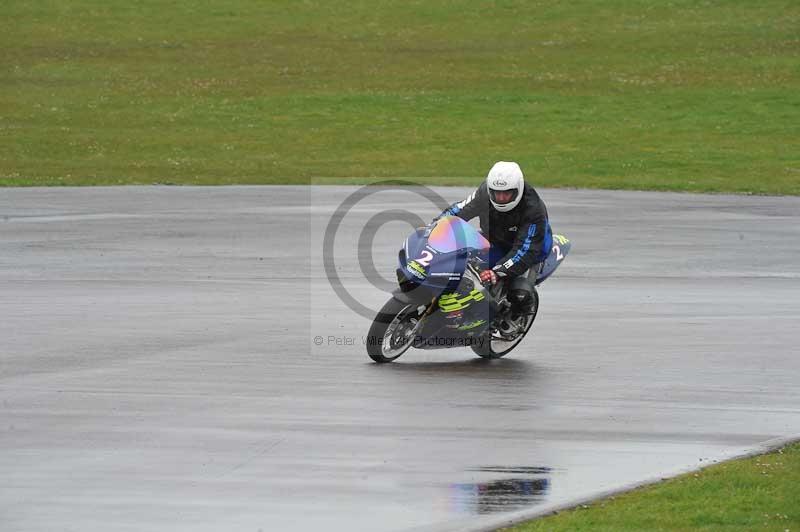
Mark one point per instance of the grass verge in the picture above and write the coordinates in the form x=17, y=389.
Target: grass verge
x=637, y=94
x=758, y=493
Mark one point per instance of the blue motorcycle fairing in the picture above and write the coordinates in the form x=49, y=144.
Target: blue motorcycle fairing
x=432, y=264
x=435, y=256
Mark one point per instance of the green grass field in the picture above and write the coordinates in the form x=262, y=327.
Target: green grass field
x=644, y=94
x=759, y=493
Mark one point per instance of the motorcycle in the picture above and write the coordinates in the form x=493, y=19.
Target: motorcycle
x=441, y=302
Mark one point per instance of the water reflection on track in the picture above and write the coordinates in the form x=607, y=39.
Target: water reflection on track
x=501, y=495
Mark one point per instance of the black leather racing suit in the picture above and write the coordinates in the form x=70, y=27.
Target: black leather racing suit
x=524, y=230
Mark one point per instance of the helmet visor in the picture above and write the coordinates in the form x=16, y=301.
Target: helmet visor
x=502, y=197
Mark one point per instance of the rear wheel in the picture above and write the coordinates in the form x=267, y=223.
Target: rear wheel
x=508, y=333
x=392, y=331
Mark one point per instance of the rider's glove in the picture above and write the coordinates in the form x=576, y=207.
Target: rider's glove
x=488, y=276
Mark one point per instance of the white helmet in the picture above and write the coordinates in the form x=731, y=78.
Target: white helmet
x=505, y=176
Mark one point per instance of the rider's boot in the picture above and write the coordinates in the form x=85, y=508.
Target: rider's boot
x=520, y=295
x=520, y=291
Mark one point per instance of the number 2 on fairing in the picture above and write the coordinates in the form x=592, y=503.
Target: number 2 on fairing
x=559, y=256
x=425, y=259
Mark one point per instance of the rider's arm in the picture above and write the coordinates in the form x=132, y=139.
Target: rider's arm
x=470, y=207
x=527, y=249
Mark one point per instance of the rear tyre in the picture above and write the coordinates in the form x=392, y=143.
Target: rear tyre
x=495, y=344
x=392, y=330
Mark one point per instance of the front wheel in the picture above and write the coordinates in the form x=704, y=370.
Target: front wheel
x=392, y=330
x=500, y=340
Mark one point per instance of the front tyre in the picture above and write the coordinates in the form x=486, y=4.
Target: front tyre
x=500, y=341
x=392, y=330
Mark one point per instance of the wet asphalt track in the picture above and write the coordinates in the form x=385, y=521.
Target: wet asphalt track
x=158, y=369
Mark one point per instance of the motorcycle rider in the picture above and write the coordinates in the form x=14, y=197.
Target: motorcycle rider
x=514, y=219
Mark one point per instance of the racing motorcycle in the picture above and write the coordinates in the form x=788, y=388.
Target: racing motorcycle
x=441, y=302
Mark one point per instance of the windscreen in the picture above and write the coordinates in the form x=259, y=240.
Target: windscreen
x=452, y=233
